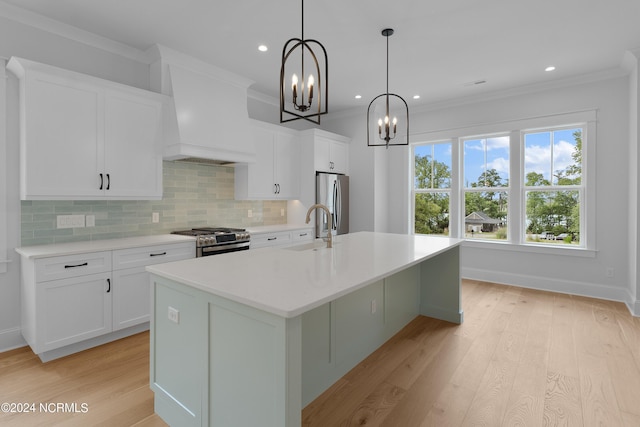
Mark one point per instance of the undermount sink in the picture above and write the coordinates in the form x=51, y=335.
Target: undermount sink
x=315, y=245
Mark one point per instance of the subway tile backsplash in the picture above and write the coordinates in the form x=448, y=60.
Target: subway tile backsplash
x=194, y=195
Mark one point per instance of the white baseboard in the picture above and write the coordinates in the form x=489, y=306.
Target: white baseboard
x=633, y=305
x=10, y=339
x=555, y=285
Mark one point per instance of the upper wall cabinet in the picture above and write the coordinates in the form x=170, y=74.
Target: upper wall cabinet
x=276, y=172
x=330, y=151
x=86, y=138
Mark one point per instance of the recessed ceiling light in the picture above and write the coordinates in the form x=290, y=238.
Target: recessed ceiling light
x=263, y=48
x=358, y=96
x=550, y=68
x=416, y=96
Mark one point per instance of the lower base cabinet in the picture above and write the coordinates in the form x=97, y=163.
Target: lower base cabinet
x=73, y=310
x=71, y=303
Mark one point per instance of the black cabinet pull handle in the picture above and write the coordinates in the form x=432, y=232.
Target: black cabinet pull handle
x=108, y=181
x=303, y=234
x=101, y=182
x=160, y=254
x=272, y=238
x=109, y=283
x=77, y=265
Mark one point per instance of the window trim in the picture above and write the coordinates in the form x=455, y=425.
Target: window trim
x=4, y=256
x=515, y=238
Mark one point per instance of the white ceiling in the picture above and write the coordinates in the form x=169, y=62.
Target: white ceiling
x=438, y=48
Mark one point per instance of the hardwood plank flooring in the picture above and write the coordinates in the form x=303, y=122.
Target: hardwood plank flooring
x=522, y=358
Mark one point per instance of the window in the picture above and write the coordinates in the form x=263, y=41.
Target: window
x=486, y=187
x=432, y=188
x=553, y=185
x=524, y=183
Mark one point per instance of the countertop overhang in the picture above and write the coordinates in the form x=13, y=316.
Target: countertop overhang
x=289, y=283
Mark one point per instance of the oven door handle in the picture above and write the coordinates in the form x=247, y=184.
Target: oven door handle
x=218, y=249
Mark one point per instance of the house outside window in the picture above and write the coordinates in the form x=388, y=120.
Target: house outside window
x=486, y=187
x=528, y=186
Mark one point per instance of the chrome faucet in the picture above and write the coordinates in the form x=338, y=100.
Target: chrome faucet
x=326, y=209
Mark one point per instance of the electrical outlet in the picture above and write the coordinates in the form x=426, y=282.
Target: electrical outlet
x=155, y=217
x=70, y=221
x=249, y=213
x=90, y=220
x=174, y=315
x=610, y=272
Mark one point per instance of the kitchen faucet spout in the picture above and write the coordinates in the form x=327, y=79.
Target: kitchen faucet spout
x=326, y=209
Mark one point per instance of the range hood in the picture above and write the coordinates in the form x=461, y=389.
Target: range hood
x=207, y=117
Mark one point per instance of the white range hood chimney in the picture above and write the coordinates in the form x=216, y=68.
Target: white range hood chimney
x=208, y=119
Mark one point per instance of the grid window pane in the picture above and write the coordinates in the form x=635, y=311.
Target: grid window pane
x=486, y=162
x=553, y=158
x=432, y=213
x=433, y=166
x=553, y=217
x=486, y=215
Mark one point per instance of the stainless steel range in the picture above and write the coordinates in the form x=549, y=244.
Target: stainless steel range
x=218, y=240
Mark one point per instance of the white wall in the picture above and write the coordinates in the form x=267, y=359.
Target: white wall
x=632, y=59
x=578, y=275
x=22, y=40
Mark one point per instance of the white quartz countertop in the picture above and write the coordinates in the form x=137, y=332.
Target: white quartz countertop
x=288, y=283
x=73, y=248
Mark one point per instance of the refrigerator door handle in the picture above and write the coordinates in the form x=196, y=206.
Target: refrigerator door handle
x=338, y=204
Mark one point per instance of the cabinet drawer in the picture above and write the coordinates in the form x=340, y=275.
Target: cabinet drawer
x=63, y=267
x=270, y=239
x=148, y=255
x=302, y=235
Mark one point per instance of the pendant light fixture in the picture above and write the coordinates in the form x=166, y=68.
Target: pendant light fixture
x=382, y=128
x=298, y=101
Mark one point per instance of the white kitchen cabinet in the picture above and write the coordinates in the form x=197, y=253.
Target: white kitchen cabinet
x=131, y=303
x=72, y=310
x=276, y=173
x=281, y=237
x=73, y=302
x=322, y=151
x=331, y=153
x=86, y=138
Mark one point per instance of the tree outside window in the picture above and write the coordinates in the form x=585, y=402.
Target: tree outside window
x=432, y=188
x=486, y=185
x=553, y=185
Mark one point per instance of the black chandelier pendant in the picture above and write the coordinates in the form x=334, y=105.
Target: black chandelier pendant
x=304, y=102
x=387, y=128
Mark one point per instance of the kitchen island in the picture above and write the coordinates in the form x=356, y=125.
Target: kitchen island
x=250, y=338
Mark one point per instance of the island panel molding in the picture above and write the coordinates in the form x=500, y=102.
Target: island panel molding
x=247, y=345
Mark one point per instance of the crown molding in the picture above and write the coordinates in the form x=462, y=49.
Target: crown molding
x=58, y=28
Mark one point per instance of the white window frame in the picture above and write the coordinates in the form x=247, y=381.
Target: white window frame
x=414, y=191
x=581, y=189
x=516, y=238
x=3, y=167
x=464, y=189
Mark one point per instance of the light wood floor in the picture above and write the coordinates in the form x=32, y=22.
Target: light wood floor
x=521, y=358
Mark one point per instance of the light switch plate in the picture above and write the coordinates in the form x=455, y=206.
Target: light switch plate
x=90, y=220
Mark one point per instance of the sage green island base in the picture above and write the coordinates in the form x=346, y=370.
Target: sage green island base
x=250, y=338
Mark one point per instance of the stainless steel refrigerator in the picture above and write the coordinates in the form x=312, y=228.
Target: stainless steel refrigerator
x=332, y=190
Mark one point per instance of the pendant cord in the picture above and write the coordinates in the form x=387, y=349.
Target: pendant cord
x=387, y=112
